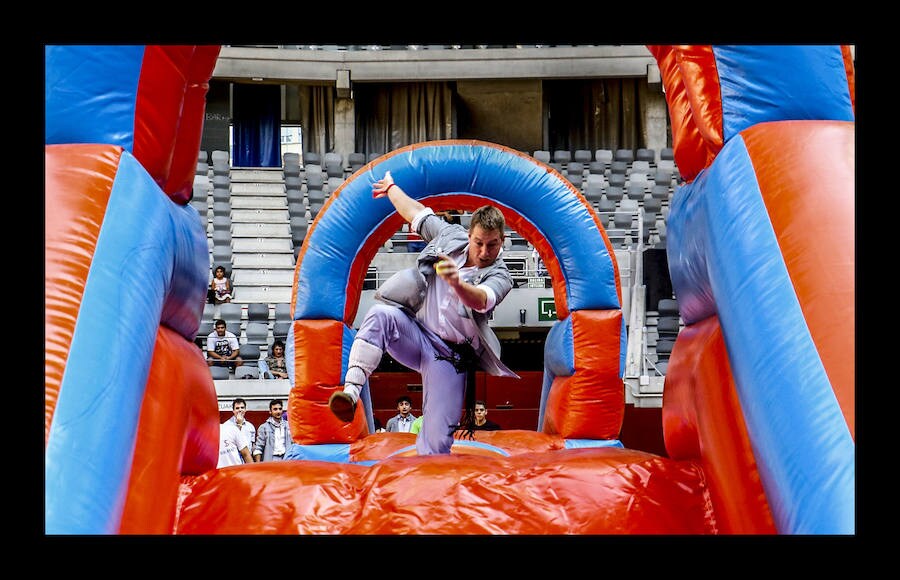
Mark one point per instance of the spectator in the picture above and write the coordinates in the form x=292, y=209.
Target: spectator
x=481, y=421
x=277, y=366
x=222, y=347
x=402, y=421
x=221, y=286
x=540, y=268
x=234, y=448
x=239, y=411
x=273, y=438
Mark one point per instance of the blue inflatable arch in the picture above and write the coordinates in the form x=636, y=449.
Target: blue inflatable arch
x=535, y=199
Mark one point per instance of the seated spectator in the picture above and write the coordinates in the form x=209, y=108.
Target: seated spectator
x=481, y=420
x=220, y=287
x=277, y=366
x=222, y=347
x=402, y=421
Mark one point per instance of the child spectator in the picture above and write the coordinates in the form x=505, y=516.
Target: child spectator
x=220, y=286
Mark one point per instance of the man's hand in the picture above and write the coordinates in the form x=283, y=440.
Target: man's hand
x=446, y=268
x=406, y=206
x=380, y=187
x=470, y=295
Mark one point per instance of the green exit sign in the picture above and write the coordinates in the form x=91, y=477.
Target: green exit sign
x=546, y=309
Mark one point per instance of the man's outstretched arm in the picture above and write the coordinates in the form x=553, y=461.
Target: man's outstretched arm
x=406, y=206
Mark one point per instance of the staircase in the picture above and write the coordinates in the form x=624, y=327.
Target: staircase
x=263, y=259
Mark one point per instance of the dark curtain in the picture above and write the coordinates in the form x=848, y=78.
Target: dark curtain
x=257, y=125
x=317, y=118
x=595, y=114
x=392, y=116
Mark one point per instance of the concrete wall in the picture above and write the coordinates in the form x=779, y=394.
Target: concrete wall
x=507, y=112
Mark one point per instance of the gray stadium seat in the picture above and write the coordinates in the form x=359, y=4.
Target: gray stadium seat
x=221, y=222
x=562, y=156
x=334, y=169
x=293, y=182
x=315, y=195
x=219, y=373
x=606, y=205
x=222, y=254
x=644, y=154
x=221, y=181
x=615, y=192
x=221, y=169
x=221, y=194
x=258, y=312
x=542, y=156
x=622, y=220
x=221, y=237
x=231, y=313
x=593, y=191
x=281, y=329
x=315, y=180
x=659, y=192
x=221, y=208
x=668, y=326
x=664, y=348
x=257, y=332
x=296, y=209
x=356, y=161
x=583, y=156
x=635, y=191
x=246, y=372
x=667, y=307
x=282, y=311
x=604, y=155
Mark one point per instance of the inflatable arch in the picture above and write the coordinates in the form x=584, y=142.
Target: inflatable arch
x=540, y=204
x=758, y=416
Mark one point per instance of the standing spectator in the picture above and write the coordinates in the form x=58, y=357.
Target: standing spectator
x=273, y=438
x=222, y=347
x=239, y=411
x=539, y=266
x=481, y=421
x=234, y=448
x=221, y=286
x=276, y=364
x=402, y=421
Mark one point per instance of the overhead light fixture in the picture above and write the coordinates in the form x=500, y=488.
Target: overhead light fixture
x=257, y=79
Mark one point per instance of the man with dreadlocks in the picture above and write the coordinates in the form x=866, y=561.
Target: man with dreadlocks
x=433, y=318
